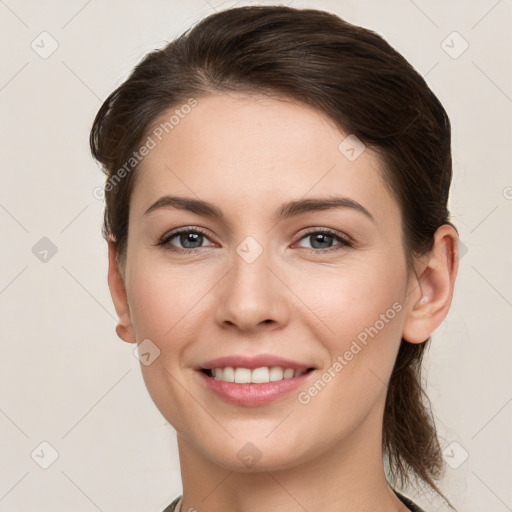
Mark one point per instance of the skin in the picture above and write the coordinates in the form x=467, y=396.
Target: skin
x=248, y=155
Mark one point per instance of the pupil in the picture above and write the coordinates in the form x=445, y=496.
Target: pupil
x=320, y=236
x=189, y=238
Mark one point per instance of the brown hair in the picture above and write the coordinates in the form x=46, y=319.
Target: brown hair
x=366, y=87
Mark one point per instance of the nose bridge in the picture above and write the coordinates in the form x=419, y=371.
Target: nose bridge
x=251, y=293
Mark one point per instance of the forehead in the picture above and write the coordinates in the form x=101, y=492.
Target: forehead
x=239, y=150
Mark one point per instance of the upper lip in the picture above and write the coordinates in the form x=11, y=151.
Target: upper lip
x=251, y=362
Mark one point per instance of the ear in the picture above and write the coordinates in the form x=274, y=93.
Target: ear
x=430, y=291
x=124, y=328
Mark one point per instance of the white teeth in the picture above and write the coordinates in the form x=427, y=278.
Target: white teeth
x=242, y=375
x=257, y=375
x=276, y=373
x=228, y=374
x=260, y=375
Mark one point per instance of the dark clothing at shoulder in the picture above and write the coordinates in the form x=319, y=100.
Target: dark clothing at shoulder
x=170, y=508
x=406, y=501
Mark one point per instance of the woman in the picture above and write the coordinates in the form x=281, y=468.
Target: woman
x=280, y=250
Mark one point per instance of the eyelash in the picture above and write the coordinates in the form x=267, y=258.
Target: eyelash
x=344, y=241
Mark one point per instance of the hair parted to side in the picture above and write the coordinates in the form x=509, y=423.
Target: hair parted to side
x=367, y=88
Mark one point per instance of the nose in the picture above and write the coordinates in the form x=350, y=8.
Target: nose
x=251, y=296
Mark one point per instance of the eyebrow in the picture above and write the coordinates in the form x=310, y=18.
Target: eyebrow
x=285, y=211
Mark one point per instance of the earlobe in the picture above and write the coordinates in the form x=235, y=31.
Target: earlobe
x=124, y=328
x=430, y=292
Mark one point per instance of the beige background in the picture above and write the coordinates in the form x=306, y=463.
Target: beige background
x=65, y=377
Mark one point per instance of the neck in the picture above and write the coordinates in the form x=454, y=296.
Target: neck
x=345, y=476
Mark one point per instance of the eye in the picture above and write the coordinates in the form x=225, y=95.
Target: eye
x=190, y=239
x=321, y=240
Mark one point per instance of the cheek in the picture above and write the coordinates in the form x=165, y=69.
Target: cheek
x=361, y=311
x=165, y=304
x=360, y=306
x=163, y=298
x=354, y=296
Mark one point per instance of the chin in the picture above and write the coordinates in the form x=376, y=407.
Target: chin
x=248, y=457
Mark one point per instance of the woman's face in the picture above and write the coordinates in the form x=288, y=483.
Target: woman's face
x=262, y=279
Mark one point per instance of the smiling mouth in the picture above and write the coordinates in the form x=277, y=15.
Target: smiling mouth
x=260, y=375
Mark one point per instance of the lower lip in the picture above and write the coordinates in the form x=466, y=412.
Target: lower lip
x=253, y=395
